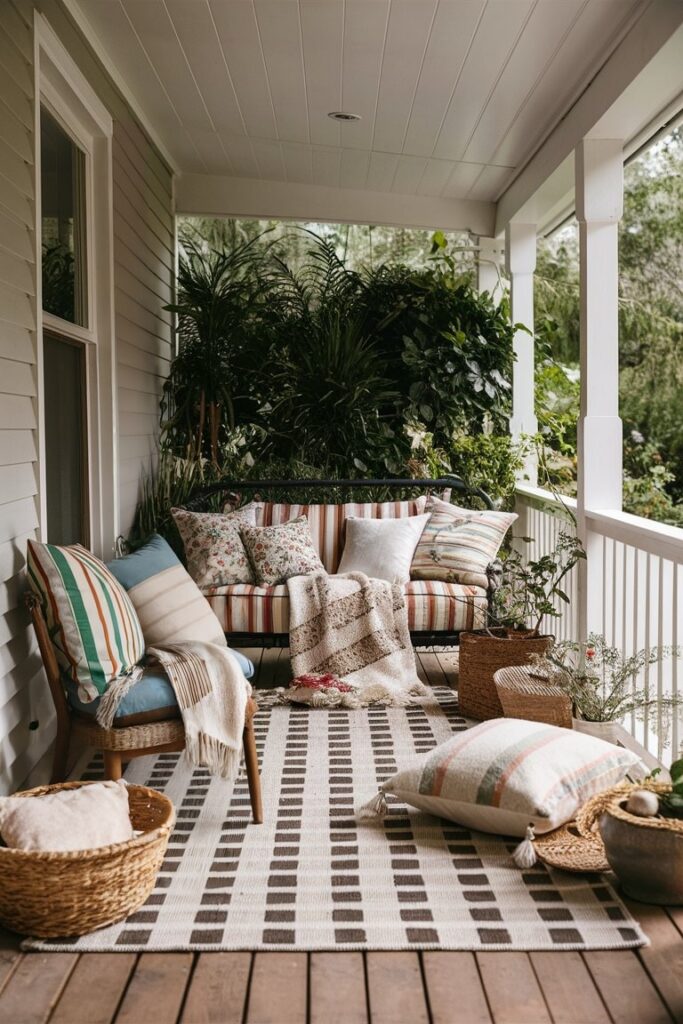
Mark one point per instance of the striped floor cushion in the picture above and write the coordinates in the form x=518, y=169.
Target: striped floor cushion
x=432, y=605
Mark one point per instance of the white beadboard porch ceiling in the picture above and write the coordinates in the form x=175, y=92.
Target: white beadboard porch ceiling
x=455, y=95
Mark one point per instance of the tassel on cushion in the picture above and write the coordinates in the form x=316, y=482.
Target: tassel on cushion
x=375, y=808
x=525, y=855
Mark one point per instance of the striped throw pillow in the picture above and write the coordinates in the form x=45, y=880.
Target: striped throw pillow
x=458, y=544
x=507, y=773
x=92, y=623
x=169, y=604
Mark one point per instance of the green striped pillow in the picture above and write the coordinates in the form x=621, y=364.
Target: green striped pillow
x=458, y=544
x=92, y=623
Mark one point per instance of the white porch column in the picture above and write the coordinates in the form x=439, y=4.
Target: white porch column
x=489, y=259
x=599, y=173
x=520, y=252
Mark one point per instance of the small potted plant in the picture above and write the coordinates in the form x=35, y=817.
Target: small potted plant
x=602, y=683
x=642, y=829
x=527, y=591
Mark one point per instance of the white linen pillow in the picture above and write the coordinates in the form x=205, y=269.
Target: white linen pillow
x=69, y=819
x=507, y=773
x=382, y=548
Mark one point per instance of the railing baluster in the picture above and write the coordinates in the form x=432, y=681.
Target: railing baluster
x=642, y=596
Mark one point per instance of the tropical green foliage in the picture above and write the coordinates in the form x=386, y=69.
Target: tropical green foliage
x=347, y=368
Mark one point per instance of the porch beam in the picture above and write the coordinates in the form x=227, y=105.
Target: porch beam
x=520, y=255
x=213, y=195
x=599, y=206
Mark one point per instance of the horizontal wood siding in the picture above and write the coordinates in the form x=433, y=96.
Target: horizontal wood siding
x=144, y=240
x=22, y=683
x=143, y=278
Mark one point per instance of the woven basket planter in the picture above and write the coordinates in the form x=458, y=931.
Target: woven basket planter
x=47, y=895
x=533, y=698
x=482, y=653
x=646, y=854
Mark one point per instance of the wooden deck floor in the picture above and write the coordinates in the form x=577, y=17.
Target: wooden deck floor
x=643, y=987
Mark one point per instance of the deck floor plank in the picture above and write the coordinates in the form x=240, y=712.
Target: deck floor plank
x=337, y=989
x=626, y=988
x=676, y=915
x=454, y=988
x=95, y=989
x=10, y=955
x=663, y=958
x=432, y=668
x=218, y=989
x=449, y=662
x=512, y=990
x=395, y=991
x=34, y=987
x=568, y=988
x=279, y=989
x=156, y=990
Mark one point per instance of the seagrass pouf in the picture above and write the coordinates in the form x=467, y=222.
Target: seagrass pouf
x=48, y=895
x=523, y=694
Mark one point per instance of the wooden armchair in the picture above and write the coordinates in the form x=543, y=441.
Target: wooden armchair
x=124, y=742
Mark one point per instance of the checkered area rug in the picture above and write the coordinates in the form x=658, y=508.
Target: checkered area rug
x=313, y=877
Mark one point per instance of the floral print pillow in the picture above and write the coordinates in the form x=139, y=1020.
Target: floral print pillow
x=279, y=552
x=213, y=547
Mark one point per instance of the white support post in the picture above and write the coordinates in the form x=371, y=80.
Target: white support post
x=520, y=251
x=599, y=172
x=490, y=253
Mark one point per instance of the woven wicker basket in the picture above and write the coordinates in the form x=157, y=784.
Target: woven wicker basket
x=58, y=894
x=523, y=695
x=482, y=653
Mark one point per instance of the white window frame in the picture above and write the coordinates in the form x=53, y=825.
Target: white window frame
x=62, y=88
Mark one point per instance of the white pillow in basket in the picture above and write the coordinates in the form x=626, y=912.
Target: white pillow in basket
x=68, y=819
x=508, y=773
x=382, y=548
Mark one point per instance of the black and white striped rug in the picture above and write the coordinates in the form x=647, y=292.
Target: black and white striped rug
x=313, y=877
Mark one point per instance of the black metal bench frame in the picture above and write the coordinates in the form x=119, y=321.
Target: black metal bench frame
x=233, y=490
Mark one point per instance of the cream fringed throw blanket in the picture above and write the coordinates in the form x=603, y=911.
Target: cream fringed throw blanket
x=212, y=695
x=355, y=628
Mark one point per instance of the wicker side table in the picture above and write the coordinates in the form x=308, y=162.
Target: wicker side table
x=528, y=696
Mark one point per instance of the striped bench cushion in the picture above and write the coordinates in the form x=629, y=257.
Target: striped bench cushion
x=92, y=622
x=432, y=606
x=326, y=522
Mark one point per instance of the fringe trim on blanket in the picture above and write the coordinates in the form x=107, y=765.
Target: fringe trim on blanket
x=114, y=694
x=210, y=752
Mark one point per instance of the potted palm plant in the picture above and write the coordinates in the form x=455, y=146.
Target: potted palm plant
x=527, y=592
x=603, y=684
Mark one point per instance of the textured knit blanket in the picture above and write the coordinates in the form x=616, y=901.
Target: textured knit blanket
x=212, y=695
x=355, y=628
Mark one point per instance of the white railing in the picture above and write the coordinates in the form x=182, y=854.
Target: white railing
x=640, y=599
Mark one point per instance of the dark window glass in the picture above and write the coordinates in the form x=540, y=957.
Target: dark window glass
x=62, y=184
x=65, y=441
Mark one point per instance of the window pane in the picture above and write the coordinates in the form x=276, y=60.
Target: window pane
x=62, y=182
x=65, y=441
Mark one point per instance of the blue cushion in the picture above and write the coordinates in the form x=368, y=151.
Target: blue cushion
x=152, y=692
x=152, y=558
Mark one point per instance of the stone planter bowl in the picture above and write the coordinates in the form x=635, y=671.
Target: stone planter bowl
x=646, y=854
